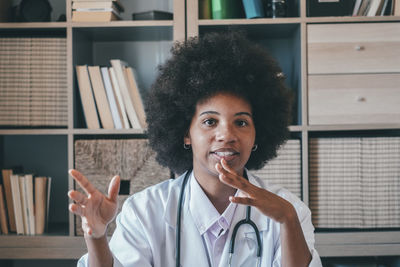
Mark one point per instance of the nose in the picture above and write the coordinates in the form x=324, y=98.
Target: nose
x=225, y=133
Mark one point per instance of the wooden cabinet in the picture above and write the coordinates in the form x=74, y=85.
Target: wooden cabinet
x=353, y=73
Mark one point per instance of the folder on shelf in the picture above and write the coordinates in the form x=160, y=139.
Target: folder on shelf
x=122, y=80
x=87, y=99
x=135, y=95
x=103, y=108
x=119, y=99
x=9, y=198
x=112, y=100
x=3, y=212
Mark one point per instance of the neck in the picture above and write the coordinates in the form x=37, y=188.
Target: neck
x=216, y=191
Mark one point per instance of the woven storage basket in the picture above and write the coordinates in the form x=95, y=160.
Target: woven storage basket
x=131, y=159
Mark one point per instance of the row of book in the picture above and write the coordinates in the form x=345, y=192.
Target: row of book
x=33, y=81
x=96, y=10
x=355, y=182
x=24, y=203
x=112, y=94
x=373, y=8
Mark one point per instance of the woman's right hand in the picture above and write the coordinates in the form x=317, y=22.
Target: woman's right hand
x=95, y=209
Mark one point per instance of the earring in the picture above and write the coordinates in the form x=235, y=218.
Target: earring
x=186, y=146
x=254, y=148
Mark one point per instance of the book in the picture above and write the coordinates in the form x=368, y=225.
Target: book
x=396, y=8
x=30, y=202
x=363, y=8
x=374, y=7
x=87, y=99
x=153, y=15
x=111, y=98
x=16, y=195
x=384, y=7
x=9, y=198
x=119, y=66
x=24, y=203
x=136, y=97
x=48, y=193
x=40, y=204
x=98, y=5
x=224, y=9
x=204, y=9
x=103, y=108
x=3, y=212
x=95, y=16
x=119, y=100
x=253, y=9
x=356, y=8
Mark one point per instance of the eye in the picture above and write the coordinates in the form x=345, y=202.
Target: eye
x=242, y=123
x=209, y=122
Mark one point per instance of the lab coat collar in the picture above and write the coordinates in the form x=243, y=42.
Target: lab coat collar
x=191, y=237
x=171, y=208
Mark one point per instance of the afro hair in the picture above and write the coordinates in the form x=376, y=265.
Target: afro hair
x=202, y=67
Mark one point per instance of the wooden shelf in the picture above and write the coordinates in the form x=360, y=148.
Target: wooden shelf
x=379, y=243
x=41, y=247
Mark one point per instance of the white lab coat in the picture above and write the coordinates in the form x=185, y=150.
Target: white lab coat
x=145, y=233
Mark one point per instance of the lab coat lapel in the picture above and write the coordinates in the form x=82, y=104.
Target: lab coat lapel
x=245, y=253
x=193, y=252
x=192, y=248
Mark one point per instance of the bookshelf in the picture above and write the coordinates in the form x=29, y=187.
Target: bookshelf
x=145, y=44
x=50, y=151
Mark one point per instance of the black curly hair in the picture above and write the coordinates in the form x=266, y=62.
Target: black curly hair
x=202, y=67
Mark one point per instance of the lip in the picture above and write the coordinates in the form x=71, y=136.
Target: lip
x=227, y=154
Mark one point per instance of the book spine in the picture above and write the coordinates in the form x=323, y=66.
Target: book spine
x=3, y=213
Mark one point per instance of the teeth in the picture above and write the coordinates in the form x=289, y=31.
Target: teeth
x=224, y=154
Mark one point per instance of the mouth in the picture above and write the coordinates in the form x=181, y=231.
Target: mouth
x=227, y=154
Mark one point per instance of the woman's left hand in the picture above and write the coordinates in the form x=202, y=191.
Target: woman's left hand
x=266, y=202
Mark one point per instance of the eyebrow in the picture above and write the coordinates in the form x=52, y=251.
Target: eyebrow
x=217, y=113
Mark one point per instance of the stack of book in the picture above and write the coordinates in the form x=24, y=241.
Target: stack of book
x=285, y=169
x=132, y=159
x=33, y=81
x=354, y=182
x=113, y=94
x=96, y=10
x=24, y=203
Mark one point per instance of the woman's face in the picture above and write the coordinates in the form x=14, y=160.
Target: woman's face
x=222, y=127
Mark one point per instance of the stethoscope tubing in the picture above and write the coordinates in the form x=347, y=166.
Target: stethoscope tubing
x=247, y=220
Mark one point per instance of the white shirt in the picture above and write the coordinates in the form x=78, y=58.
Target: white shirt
x=146, y=229
x=212, y=226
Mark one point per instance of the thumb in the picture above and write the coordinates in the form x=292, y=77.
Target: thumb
x=113, y=188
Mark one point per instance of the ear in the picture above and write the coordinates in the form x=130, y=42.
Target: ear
x=186, y=139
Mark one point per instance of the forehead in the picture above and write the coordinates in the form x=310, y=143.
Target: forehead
x=223, y=101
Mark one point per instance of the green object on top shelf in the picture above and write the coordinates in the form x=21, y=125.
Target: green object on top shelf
x=227, y=9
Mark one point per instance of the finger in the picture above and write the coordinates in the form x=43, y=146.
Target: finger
x=234, y=180
x=227, y=167
x=78, y=197
x=242, y=200
x=82, y=181
x=76, y=209
x=113, y=188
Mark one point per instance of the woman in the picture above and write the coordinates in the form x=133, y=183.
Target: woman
x=218, y=108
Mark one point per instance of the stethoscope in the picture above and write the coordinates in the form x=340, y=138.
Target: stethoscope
x=247, y=220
